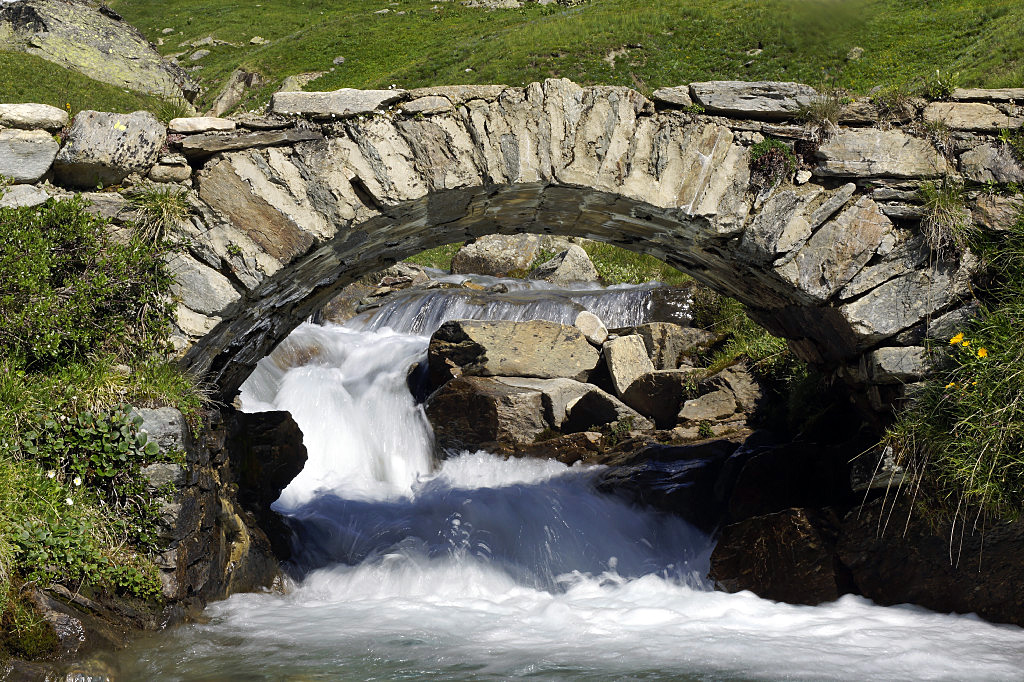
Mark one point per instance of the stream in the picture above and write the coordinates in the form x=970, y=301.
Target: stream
x=477, y=567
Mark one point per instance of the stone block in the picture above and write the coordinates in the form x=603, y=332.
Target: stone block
x=103, y=148
x=200, y=124
x=765, y=100
x=341, y=103
x=627, y=360
x=32, y=117
x=871, y=152
x=26, y=155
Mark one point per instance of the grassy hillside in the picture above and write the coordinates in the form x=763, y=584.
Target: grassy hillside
x=624, y=42
x=24, y=78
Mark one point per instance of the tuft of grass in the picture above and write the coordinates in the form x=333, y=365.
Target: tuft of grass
x=961, y=438
x=947, y=225
x=174, y=108
x=620, y=266
x=822, y=114
x=439, y=257
x=158, y=210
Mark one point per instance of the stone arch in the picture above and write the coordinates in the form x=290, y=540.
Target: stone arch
x=282, y=227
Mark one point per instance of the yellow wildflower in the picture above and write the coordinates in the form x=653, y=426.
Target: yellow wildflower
x=951, y=384
x=982, y=352
x=966, y=343
x=957, y=339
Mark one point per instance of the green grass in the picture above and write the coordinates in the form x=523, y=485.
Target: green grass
x=24, y=78
x=681, y=41
x=962, y=437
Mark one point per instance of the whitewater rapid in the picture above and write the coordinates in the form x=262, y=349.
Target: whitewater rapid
x=483, y=568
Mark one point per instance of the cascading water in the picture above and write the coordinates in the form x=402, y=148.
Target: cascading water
x=480, y=567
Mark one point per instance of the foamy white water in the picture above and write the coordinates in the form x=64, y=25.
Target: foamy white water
x=483, y=568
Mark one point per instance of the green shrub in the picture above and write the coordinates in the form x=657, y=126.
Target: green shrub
x=771, y=161
x=69, y=290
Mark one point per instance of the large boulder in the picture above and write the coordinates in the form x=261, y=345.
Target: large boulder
x=470, y=413
x=626, y=358
x=897, y=555
x=95, y=41
x=540, y=349
x=556, y=394
x=104, y=148
x=786, y=556
x=497, y=255
x=26, y=155
x=570, y=266
x=767, y=100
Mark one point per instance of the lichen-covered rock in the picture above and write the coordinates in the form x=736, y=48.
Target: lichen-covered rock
x=571, y=266
x=536, y=348
x=497, y=255
x=103, y=149
x=32, y=117
x=768, y=100
x=341, y=103
x=82, y=37
x=26, y=155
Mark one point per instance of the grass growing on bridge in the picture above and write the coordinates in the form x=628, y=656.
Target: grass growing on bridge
x=613, y=42
x=962, y=438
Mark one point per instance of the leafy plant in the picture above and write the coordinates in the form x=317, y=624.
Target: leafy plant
x=947, y=225
x=771, y=161
x=69, y=290
x=1015, y=141
x=941, y=84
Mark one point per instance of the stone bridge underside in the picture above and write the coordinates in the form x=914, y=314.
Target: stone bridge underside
x=280, y=229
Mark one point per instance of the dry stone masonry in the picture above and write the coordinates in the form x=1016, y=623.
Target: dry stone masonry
x=324, y=188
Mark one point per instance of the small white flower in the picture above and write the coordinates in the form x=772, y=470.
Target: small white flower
x=78, y=480
x=51, y=473
x=68, y=501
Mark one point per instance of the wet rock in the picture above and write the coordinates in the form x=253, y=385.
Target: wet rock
x=626, y=358
x=341, y=103
x=567, y=448
x=105, y=148
x=660, y=394
x=591, y=326
x=539, y=349
x=667, y=343
x=766, y=100
x=571, y=266
x=32, y=117
x=471, y=413
x=898, y=556
x=871, y=152
x=267, y=452
x=497, y=255
x=26, y=155
x=787, y=556
x=596, y=409
x=991, y=163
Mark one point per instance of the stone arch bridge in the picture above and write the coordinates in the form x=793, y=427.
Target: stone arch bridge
x=292, y=206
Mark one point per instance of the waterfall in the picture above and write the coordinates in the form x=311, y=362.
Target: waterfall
x=484, y=568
